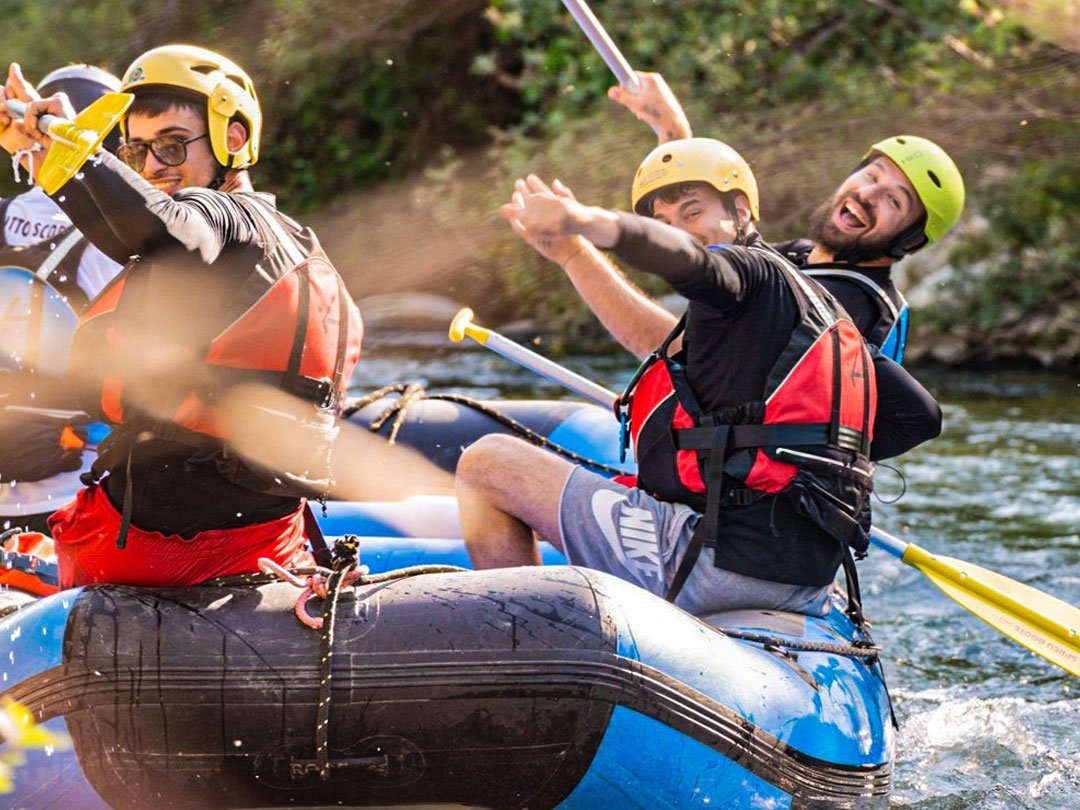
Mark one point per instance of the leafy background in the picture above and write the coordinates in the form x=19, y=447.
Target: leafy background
x=397, y=125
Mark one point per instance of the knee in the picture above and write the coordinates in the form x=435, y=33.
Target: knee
x=483, y=460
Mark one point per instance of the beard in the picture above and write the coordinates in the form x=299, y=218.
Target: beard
x=846, y=247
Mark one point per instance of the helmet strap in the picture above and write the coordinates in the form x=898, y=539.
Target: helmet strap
x=908, y=241
x=740, y=229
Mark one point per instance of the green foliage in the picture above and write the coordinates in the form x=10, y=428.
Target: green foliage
x=1026, y=261
x=750, y=54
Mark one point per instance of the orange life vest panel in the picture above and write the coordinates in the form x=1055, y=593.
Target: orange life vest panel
x=290, y=323
x=299, y=329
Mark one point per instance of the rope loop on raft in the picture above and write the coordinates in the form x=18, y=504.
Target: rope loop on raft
x=415, y=392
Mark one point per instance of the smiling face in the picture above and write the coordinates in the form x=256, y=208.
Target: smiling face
x=698, y=209
x=872, y=207
x=198, y=170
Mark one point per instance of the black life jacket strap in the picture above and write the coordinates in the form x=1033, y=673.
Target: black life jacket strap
x=786, y=434
x=708, y=527
x=343, y=339
x=319, y=548
x=627, y=394
x=296, y=354
x=129, y=502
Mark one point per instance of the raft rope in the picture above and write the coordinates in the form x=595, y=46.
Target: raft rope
x=414, y=392
x=854, y=649
x=327, y=584
x=346, y=569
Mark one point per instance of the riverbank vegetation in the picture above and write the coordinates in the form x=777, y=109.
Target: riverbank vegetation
x=398, y=124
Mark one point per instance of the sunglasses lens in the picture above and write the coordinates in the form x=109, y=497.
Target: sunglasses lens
x=170, y=151
x=133, y=154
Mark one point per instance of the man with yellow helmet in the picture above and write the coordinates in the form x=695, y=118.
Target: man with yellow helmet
x=905, y=193
x=219, y=289
x=741, y=419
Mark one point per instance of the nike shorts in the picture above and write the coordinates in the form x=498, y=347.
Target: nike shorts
x=628, y=533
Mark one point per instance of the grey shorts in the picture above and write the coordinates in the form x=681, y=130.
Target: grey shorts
x=628, y=533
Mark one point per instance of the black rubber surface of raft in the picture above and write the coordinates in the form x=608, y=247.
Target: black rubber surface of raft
x=206, y=698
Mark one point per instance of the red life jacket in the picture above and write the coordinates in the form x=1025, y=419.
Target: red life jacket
x=290, y=322
x=807, y=437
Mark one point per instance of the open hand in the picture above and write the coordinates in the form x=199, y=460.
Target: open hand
x=13, y=133
x=541, y=215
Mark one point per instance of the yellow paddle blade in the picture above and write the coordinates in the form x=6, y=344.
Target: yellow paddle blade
x=75, y=141
x=1044, y=624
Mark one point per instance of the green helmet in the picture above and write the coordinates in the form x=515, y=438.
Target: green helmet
x=935, y=177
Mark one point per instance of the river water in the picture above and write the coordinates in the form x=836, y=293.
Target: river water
x=984, y=723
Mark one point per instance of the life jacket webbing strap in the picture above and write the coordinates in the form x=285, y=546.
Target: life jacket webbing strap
x=708, y=528
x=296, y=354
x=866, y=283
x=837, y=390
x=799, y=281
x=319, y=549
x=343, y=338
x=783, y=434
x=286, y=243
x=649, y=361
x=864, y=450
x=129, y=502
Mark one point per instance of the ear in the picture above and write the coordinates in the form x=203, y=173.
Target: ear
x=235, y=137
x=742, y=209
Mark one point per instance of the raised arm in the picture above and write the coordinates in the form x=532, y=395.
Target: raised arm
x=656, y=105
x=634, y=319
x=718, y=278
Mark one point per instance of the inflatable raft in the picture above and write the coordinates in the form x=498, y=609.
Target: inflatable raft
x=538, y=688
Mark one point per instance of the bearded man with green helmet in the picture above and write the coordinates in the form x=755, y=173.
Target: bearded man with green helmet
x=217, y=291
x=905, y=194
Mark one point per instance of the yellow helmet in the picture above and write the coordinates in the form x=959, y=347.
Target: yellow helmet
x=934, y=176
x=693, y=160
x=228, y=89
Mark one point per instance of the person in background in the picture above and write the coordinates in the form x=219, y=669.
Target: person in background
x=49, y=273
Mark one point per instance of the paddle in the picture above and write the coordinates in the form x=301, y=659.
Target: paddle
x=463, y=325
x=1046, y=625
x=604, y=45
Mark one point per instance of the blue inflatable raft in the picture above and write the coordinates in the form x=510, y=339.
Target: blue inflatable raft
x=552, y=687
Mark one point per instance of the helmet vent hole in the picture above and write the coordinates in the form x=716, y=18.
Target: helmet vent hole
x=666, y=158
x=206, y=70
x=901, y=141
x=934, y=179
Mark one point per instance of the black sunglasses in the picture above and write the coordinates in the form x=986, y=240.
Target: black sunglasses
x=168, y=149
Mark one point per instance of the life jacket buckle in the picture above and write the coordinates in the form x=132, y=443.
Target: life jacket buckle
x=742, y=496
x=623, y=411
x=319, y=391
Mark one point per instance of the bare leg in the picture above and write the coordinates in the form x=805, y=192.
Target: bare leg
x=506, y=488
